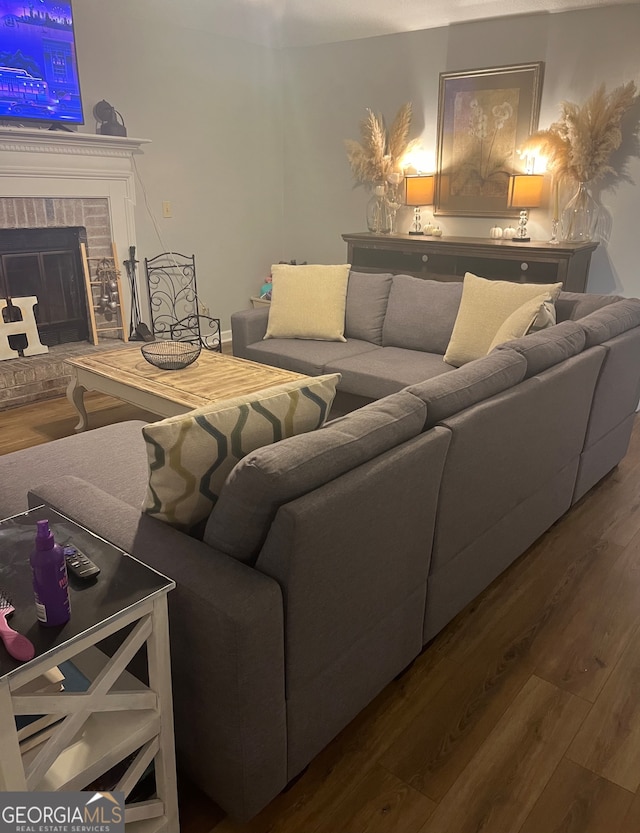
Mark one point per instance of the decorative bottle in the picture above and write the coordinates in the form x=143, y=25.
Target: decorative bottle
x=50, y=582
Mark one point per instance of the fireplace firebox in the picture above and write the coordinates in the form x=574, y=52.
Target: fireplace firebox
x=46, y=262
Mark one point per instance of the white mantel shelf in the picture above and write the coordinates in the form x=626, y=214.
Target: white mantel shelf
x=18, y=139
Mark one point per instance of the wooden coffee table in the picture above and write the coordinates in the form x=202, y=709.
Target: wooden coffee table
x=125, y=374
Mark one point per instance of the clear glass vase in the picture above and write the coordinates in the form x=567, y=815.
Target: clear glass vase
x=394, y=200
x=378, y=219
x=579, y=217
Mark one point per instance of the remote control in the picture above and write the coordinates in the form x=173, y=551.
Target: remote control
x=78, y=564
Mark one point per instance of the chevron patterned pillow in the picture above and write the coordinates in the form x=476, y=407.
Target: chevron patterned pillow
x=190, y=455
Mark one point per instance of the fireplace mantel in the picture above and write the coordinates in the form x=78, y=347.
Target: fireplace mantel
x=17, y=139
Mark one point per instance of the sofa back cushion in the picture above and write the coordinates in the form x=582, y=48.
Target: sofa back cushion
x=367, y=297
x=571, y=306
x=190, y=455
x=276, y=474
x=421, y=314
x=611, y=321
x=478, y=380
x=548, y=347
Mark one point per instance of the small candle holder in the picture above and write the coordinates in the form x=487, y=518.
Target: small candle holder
x=554, y=232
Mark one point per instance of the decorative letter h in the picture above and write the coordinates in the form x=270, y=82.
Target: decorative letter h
x=25, y=327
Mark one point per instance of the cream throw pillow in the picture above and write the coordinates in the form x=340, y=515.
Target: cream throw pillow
x=190, y=455
x=484, y=307
x=536, y=314
x=308, y=302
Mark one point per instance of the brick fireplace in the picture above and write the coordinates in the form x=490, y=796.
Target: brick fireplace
x=57, y=179
x=92, y=213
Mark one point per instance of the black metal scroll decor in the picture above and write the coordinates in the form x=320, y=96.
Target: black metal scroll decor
x=175, y=307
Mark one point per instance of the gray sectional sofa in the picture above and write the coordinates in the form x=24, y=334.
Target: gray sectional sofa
x=370, y=533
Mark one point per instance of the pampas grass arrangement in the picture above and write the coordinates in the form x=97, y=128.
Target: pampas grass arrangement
x=380, y=152
x=579, y=145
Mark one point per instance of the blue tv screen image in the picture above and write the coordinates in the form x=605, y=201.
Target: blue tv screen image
x=38, y=67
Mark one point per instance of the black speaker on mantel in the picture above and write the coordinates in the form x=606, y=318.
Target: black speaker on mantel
x=111, y=122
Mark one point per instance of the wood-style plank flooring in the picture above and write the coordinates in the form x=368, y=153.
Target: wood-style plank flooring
x=522, y=716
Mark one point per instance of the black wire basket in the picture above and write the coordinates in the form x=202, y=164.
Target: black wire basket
x=170, y=355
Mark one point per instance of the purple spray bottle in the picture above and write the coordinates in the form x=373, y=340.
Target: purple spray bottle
x=50, y=583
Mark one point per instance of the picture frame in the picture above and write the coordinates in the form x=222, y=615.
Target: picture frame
x=484, y=116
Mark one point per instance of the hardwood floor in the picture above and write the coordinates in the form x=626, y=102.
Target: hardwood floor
x=51, y=419
x=522, y=716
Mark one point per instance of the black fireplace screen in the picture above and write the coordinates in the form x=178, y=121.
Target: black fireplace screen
x=46, y=263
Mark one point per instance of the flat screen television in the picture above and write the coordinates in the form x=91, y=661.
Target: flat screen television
x=38, y=68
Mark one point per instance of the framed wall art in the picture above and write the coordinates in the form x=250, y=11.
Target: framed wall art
x=484, y=116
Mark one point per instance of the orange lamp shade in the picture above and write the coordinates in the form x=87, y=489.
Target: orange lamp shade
x=419, y=190
x=525, y=190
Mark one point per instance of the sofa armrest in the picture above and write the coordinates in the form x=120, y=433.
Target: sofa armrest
x=247, y=327
x=227, y=648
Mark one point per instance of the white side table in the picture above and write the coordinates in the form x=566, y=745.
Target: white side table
x=117, y=718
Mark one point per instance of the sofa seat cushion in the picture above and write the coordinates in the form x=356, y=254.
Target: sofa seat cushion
x=99, y=456
x=421, y=314
x=476, y=381
x=484, y=307
x=611, y=321
x=548, y=347
x=303, y=356
x=308, y=301
x=276, y=474
x=386, y=370
x=190, y=455
x=367, y=297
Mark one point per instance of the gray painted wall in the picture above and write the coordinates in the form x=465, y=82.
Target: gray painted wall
x=328, y=87
x=247, y=142
x=211, y=107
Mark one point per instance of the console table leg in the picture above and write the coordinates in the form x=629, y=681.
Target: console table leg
x=75, y=395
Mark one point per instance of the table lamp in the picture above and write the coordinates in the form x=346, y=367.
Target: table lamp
x=525, y=191
x=418, y=192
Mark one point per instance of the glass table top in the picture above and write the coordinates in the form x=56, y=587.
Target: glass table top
x=123, y=582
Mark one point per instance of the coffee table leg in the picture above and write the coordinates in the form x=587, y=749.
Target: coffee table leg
x=75, y=395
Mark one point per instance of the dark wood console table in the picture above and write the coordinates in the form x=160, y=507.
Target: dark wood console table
x=448, y=258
